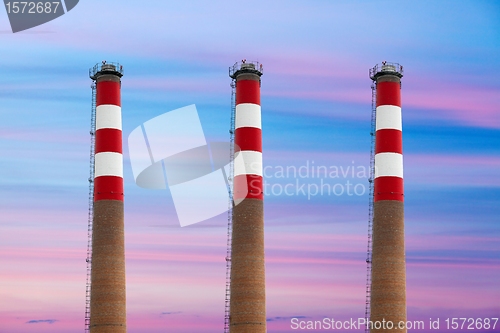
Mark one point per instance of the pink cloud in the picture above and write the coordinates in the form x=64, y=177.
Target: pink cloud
x=466, y=104
x=446, y=285
x=452, y=170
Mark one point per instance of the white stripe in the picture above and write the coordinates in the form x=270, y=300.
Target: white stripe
x=108, y=164
x=389, y=117
x=248, y=162
x=248, y=115
x=388, y=164
x=108, y=116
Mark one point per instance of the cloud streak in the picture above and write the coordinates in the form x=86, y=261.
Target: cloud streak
x=42, y=321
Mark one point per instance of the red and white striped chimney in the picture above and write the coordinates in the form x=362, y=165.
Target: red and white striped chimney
x=248, y=281
x=388, y=263
x=107, y=293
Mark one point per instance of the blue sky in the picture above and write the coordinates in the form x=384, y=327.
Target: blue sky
x=316, y=108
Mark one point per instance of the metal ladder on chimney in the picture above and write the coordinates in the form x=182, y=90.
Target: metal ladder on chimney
x=91, y=209
x=370, y=207
x=230, y=208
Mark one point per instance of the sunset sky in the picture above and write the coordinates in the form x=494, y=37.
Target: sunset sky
x=316, y=109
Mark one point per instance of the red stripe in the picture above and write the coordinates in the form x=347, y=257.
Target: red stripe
x=108, y=140
x=388, y=188
x=389, y=141
x=108, y=92
x=253, y=183
x=247, y=91
x=248, y=138
x=389, y=93
x=108, y=188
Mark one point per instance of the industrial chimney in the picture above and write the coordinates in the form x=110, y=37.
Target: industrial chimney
x=107, y=293
x=247, y=289
x=388, y=270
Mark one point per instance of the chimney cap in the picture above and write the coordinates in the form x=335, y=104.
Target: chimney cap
x=113, y=68
x=386, y=68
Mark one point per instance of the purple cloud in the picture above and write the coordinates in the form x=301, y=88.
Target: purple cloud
x=42, y=321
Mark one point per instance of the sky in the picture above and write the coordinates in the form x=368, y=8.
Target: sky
x=316, y=109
